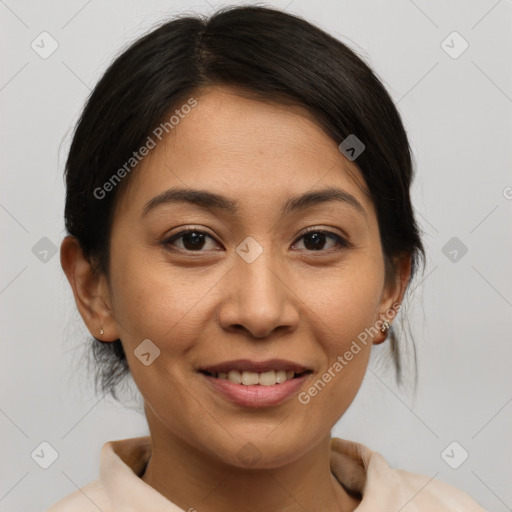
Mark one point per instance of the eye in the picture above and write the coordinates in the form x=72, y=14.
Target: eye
x=315, y=239
x=191, y=240
x=195, y=240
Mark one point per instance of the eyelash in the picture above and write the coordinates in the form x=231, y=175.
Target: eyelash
x=340, y=240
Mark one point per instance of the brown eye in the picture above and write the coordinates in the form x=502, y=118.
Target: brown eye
x=315, y=240
x=191, y=240
x=194, y=240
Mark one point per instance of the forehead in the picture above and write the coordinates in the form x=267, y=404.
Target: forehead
x=246, y=149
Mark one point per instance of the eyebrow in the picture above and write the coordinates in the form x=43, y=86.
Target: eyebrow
x=207, y=200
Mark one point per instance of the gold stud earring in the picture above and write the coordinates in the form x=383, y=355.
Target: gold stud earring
x=385, y=326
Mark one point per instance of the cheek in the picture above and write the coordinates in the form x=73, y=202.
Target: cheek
x=151, y=299
x=346, y=306
x=347, y=299
x=156, y=300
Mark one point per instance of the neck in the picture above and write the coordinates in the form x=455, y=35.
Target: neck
x=193, y=479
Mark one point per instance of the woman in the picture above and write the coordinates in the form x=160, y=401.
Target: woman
x=240, y=235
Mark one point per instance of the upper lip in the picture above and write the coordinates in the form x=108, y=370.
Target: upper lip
x=255, y=366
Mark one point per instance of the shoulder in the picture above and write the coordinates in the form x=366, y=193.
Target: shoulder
x=118, y=486
x=382, y=487
x=431, y=492
x=421, y=492
x=90, y=498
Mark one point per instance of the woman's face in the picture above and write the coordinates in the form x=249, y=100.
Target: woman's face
x=213, y=297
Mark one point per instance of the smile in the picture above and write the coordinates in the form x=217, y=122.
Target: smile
x=245, y=389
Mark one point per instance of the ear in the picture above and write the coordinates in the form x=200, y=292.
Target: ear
x=397, y=279
x=91, y=291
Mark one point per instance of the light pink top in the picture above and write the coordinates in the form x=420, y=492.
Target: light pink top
x=120, y=488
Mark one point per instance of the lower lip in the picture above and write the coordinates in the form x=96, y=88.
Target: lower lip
x=256, y=395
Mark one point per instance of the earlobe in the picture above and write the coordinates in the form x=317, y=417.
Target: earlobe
x=382, y=326
x=89, y=289
x=392, y=296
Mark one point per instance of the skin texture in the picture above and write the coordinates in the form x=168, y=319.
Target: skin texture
x=207, y=305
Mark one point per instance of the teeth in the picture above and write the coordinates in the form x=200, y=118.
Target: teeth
x=251, y=378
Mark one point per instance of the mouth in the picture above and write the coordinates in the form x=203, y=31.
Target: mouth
x=253, y=390
x=249, y=378
x=252, y=373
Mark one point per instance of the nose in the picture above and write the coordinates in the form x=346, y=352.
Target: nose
x=259, y=298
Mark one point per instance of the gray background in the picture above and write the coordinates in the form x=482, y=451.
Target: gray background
x=457, y=112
